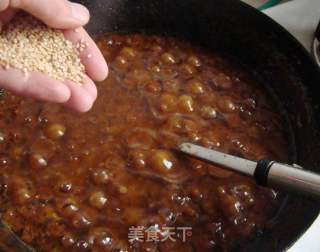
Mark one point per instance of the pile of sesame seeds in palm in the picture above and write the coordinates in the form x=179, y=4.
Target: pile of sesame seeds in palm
x=31, y=46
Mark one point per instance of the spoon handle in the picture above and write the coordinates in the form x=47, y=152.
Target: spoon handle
x=287, y=177
x=265, y=172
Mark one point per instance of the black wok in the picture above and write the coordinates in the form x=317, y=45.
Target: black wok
x=267, y=51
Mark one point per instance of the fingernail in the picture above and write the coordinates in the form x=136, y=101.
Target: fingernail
x=80, y=13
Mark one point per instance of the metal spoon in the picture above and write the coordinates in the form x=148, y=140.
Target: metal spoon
x=265, y=172
x=10, y=242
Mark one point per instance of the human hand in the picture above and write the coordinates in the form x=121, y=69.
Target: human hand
x=70, y=17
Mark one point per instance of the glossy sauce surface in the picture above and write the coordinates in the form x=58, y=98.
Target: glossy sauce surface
x=87, y=182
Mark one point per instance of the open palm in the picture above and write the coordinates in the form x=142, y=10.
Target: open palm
x=69, y=17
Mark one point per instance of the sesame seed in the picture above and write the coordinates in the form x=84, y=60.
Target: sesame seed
x=89, y=56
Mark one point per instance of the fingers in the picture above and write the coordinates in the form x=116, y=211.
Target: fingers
x=91, y=57
x=65, y=15
x=82, y=96
x=38, y=86
x=34, y=85
x=60, y=14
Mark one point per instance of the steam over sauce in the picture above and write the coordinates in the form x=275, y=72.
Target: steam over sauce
x=108, y=180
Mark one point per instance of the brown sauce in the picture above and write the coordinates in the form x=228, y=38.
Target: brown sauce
x=87, y=182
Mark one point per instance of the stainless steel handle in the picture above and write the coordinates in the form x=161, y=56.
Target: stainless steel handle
x=266, y=172
x=291, y=178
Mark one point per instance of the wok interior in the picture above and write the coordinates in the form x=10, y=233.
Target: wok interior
x=268, y=53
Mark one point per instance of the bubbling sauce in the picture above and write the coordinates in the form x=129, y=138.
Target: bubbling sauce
x=109, y=180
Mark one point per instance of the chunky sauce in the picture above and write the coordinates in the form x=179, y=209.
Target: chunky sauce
x=109, y=180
